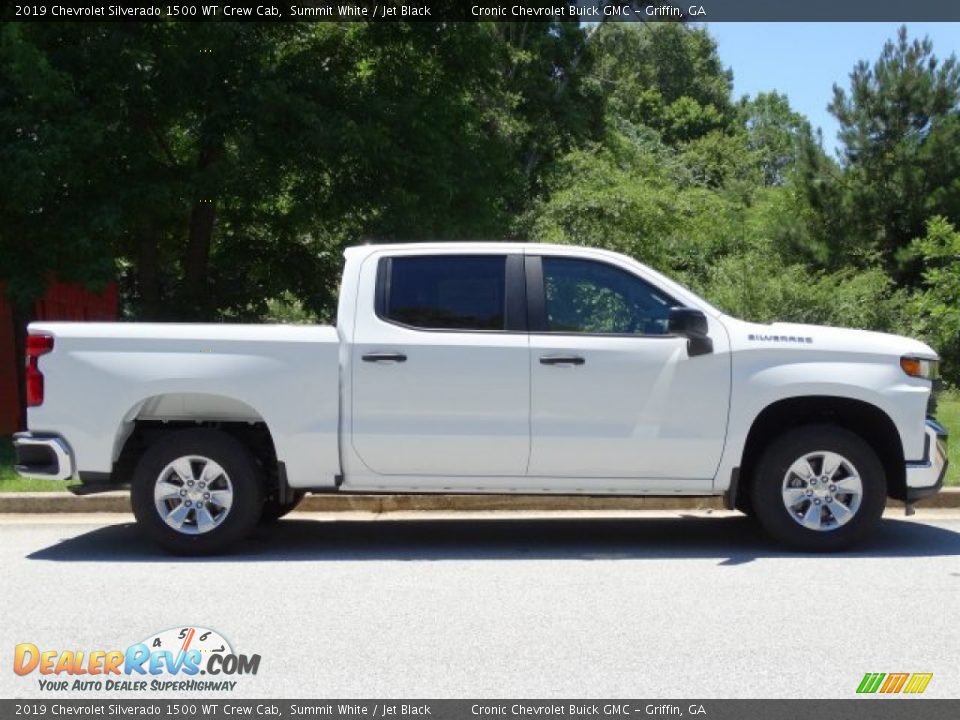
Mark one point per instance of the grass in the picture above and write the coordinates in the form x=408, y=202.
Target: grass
x=948, y=413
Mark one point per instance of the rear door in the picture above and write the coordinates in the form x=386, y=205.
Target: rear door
x=441, y=380
x=613, y=394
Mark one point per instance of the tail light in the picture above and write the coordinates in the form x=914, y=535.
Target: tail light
x=37, y=345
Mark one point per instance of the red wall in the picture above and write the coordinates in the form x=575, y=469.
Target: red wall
x=62, y=301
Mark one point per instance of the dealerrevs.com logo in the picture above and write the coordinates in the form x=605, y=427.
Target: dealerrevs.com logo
x=894, y=683
x=174, y=660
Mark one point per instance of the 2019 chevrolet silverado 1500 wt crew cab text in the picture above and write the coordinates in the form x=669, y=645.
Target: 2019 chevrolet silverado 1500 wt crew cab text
x=486, y=368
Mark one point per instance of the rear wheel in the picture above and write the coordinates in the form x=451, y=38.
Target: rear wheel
x=819, y=488
x=197, y=491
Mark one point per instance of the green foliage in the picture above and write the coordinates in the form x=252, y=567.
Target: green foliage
x=218, y=165
x=775, y=133
x=664, y=76
x=899, y=124
x=936, y=307
x=599, y=198
x=55, y=201
x=218, y=170
x=288, y=309
x=759, y=286
x=948, y=413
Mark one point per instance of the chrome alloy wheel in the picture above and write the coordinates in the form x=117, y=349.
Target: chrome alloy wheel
x=822, y=491
x=193, y=494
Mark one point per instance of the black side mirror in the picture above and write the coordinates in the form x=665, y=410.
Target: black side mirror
x=691, y=324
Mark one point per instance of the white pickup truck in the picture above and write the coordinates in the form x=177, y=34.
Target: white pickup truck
x=486, y=368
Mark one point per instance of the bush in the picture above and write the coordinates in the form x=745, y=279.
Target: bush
x=936, y=306
x=760, y=287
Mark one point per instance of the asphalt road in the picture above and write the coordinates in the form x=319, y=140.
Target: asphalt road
x=654, y=606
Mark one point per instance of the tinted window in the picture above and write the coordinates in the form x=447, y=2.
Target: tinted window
x=591, y=297
x=454, y=292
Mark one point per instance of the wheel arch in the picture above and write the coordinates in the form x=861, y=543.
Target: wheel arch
x=158, y=415
x=866, y=420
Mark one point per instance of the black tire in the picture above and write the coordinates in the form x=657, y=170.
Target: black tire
x=744, y=502
x=770, y=508
x=237, y=463
x=273, y=511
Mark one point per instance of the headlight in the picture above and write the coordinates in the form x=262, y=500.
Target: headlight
x=920, y=367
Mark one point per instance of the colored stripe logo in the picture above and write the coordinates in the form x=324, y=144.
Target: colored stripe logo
x=893, y=683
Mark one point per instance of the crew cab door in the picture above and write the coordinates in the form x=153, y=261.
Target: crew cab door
x=440, y=373
x=613, y=395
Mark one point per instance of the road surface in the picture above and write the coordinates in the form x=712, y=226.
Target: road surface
x=695, y=605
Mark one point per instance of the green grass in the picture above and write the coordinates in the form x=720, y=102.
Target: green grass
x=948, y=413
x=11, y=482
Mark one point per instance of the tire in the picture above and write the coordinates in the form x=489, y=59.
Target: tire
x=273, y=511
x=802, y=512
x=744, y=502
x=209, y=471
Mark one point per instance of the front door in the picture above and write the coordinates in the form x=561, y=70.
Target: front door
x=613, y=395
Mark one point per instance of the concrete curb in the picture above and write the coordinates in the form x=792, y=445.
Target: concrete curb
x=119, y=502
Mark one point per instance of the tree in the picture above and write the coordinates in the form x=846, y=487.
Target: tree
x=776, y=133
x=216, y=166
x=899, y=125
x=936, y=307
x=220, y=169
x=49, y=162
x=665, y=76
x=54, y=208
x=552, y=105
x=611, y=198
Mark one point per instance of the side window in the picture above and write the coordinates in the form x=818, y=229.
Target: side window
x=446, y=292
x=584, y=296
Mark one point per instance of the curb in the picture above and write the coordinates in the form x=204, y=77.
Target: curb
x=119, y=502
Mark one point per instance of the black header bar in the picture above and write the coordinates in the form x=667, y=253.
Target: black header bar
x=489, y=10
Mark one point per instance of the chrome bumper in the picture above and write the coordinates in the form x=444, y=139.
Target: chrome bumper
x=925, y=478
x=42, y=458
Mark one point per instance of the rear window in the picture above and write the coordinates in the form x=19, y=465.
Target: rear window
x=446, y=292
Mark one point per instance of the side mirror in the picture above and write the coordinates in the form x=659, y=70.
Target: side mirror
x=691, y=324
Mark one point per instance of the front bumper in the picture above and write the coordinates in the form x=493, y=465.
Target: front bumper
x=925, y=478
x=42, y=457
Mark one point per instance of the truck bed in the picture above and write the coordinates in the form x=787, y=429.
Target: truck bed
x=117, y=374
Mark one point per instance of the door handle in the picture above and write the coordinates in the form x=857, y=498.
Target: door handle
x=561, y=360
x=384, y=357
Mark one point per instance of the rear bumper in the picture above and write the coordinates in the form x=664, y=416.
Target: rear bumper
x=42, y=457
x=925, y=478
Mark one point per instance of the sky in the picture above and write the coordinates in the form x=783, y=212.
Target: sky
x=804, y=60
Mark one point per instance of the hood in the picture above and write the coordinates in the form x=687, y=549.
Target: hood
x=824, y=337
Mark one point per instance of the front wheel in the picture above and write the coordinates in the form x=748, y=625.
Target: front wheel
x=197, y=491
x=819, y=488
